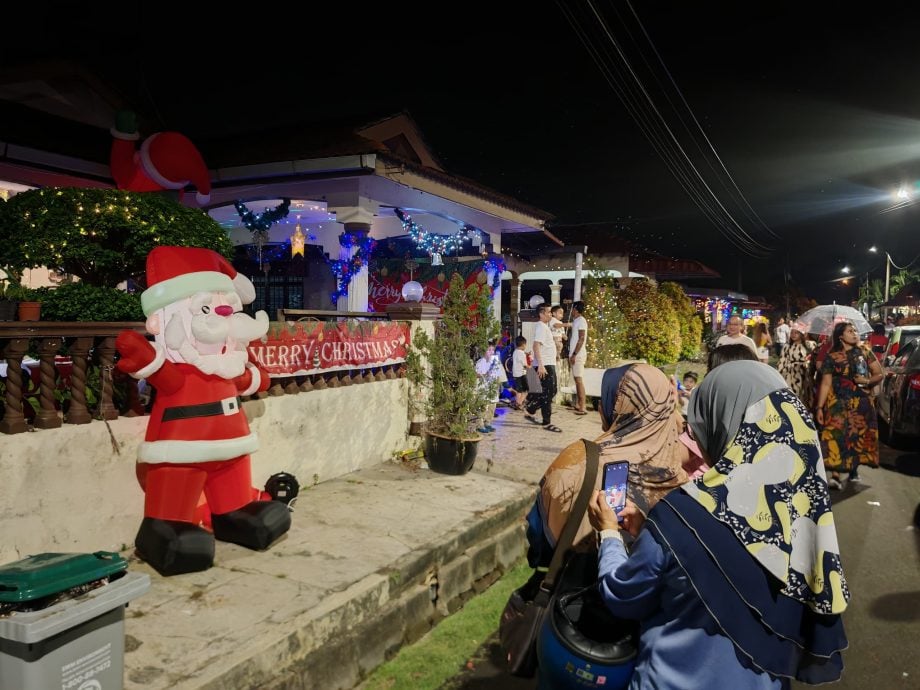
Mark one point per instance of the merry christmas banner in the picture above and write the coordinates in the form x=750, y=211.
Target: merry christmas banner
x=298, y=349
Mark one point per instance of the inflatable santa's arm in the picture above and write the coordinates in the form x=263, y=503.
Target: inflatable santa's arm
x=254, y=380
x=142, y=360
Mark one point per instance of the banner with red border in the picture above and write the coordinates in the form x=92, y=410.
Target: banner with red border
x=302, y=348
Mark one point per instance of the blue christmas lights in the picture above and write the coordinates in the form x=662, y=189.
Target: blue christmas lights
x=261, y=222
x=497, y=266
x=431, y=243
x=346, y=269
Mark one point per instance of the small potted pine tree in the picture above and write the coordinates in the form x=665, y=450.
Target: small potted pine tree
x=443, y=367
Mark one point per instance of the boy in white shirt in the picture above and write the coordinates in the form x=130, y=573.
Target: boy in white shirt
x=519, y=370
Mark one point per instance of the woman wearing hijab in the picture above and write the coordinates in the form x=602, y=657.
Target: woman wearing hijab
x=641, y=424
x=735, y=578
x=793, y=367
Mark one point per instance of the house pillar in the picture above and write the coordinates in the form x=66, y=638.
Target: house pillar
x=514, y=304
x=555, y=294
x=356, y=222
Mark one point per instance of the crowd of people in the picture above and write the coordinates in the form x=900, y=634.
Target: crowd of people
x=726, y=552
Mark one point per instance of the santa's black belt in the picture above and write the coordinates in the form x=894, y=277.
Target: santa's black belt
x=227, y=406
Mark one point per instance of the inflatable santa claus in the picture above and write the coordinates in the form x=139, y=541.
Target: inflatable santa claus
x=198, y=439
x=165, y=160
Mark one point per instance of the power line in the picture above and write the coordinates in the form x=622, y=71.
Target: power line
x=629, y=88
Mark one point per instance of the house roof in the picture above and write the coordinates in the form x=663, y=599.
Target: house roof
x=600, y=239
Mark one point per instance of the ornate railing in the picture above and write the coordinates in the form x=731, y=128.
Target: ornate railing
x=68, y=352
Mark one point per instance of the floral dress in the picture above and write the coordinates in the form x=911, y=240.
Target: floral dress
x=849, y=436
x=793, y=366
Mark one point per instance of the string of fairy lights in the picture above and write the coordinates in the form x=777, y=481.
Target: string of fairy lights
x=430, y=242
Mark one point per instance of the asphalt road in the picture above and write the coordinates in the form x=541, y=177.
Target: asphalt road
x=879, y=536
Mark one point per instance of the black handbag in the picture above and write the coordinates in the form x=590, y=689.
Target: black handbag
x=528, y=605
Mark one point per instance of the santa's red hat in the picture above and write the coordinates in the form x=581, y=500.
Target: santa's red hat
x=171, y=160
x=174, y=273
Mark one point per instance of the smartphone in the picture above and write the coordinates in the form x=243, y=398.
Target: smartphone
x=616, y=476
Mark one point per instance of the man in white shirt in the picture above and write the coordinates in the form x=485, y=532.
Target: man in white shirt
x=544, y=359
x=578, y=354
x=781, y=335
x=734, y=335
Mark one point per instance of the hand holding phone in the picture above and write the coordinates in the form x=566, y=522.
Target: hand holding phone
x=615, y=479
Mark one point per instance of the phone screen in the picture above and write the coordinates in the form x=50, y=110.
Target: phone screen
x=616, y=475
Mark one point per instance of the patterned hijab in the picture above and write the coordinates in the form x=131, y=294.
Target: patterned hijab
x=643, y=428
x=767, y=481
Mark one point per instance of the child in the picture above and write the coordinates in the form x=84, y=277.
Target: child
x=557, y=328
x=491, y=375
x=519, y=371
x=683, y=392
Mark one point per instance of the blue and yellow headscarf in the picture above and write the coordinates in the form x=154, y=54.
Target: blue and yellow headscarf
x=767, y=481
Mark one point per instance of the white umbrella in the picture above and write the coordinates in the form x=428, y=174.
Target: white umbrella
x=821, y=319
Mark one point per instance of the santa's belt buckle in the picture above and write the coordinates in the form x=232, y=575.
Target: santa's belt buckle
x=230, y=406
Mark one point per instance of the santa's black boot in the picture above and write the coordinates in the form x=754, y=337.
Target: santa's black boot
x=256, y=525
x=174, y=547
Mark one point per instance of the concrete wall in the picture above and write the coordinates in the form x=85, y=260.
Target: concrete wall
x=70, y=490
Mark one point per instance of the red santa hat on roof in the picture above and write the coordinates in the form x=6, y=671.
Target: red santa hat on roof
x=174, y=273
x=171, y=160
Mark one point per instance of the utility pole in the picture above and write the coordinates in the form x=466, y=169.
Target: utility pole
x=887, y=273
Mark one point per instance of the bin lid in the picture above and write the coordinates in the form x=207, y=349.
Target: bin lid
x=49, y=573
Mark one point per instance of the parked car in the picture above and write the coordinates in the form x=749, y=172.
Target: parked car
x=899, y=398
x=900, y=336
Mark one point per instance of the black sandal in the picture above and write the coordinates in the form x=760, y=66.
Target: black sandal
x=531, y=418
x=552, y=427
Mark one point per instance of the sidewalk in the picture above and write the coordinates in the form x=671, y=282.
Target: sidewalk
x=372, y=561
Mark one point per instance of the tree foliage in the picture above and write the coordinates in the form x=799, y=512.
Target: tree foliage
x=84, y=302
x=653, y=326
x=691, y=329
x=102, y=236
x=454, y=399
x=606, y=324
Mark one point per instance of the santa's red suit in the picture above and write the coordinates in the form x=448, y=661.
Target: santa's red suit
x=165, y=160
x=198, y=439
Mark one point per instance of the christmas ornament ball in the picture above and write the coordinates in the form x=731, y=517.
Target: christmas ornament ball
x=412, y=291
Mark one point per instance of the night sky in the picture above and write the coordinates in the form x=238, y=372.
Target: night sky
x=812, y=107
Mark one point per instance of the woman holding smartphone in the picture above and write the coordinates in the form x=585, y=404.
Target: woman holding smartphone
x=735, y=578
x=641, y=423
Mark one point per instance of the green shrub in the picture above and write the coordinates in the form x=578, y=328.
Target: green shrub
x=652, y=324
x=82, y=302
x=690, y=334
x=102, y=236
x=606, y=325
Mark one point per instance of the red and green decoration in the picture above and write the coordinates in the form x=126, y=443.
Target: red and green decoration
x=346, y=269
x=431, y=243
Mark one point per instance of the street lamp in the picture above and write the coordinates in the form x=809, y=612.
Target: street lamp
x=845, y=269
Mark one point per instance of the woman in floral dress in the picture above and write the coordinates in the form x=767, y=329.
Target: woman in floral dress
x=794, y=364
x=844, y=411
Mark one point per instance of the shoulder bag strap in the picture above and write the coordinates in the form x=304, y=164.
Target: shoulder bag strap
x=573, y=522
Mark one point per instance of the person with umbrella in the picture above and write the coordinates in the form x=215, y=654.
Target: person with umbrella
x=844, y=411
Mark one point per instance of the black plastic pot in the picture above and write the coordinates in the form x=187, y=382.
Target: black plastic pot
x=450, y=455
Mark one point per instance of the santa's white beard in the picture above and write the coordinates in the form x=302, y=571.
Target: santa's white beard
x=214, y=344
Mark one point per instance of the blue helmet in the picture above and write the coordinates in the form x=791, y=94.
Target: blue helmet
x=581, y=645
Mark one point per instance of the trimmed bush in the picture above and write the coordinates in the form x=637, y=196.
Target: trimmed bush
x=606, y=325
x=102, y=236
x=653, y=326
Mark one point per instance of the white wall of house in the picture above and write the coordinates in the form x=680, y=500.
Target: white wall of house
x=68, y=490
